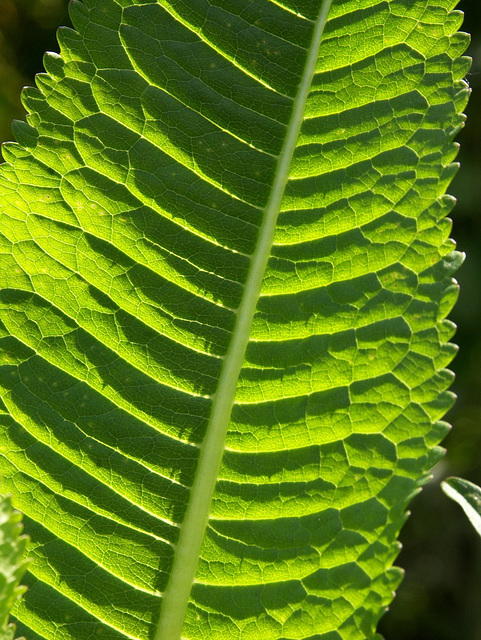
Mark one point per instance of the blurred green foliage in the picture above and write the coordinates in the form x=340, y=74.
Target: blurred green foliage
x=27, y=30
x=12, y=564
x=440, y=598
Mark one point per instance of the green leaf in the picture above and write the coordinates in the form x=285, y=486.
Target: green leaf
x=225, y=270
x=468, y=496
x=12, y=564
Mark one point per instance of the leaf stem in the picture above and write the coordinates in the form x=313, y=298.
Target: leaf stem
x=176, y=596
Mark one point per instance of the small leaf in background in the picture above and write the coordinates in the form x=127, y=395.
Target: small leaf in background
x=12, y=563
x=468, y=496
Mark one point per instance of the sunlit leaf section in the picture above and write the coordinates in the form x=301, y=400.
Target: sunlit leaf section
x=130, y=211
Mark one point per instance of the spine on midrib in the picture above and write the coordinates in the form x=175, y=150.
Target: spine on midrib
x=176, y=596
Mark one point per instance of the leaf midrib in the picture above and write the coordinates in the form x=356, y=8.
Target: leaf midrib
x=176, y=595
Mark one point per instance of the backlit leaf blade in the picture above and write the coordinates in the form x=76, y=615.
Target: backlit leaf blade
x=224, y=273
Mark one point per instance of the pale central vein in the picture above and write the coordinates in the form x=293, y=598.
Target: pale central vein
x=176, y=596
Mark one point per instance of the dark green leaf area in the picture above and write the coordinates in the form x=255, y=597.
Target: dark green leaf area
x=151, y=173
x=100, y=41
x=350, y=354
x=132, y=288
x=289, y=608
x=182, y=133
x=149, y=353
x=66, y=416
x=95, y=416
x=291, y=548
x=77, y=354
x=48, y=613
x=310, y=463
x=209, y=69
x=366, y=299
x=91, y=482
x=116, y=216
x=336, y=413
x=134, y=557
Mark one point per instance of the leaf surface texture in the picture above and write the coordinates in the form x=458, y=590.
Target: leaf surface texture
x=133, y=209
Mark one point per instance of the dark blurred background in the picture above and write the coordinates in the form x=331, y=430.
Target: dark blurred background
x=440, y=598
